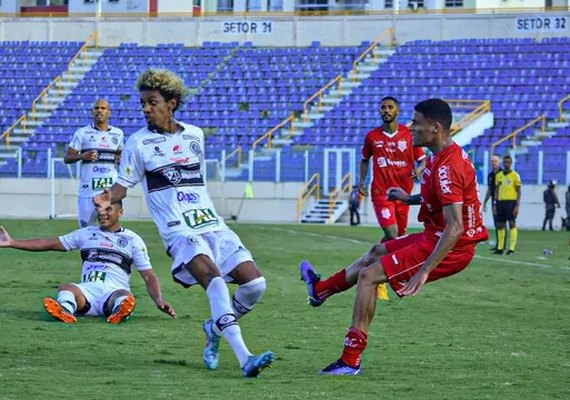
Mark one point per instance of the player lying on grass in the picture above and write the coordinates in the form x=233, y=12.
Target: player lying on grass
x=108, y=252
x=453, y=225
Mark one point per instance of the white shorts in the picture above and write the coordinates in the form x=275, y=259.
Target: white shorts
x=96, y=295
x=86, y=212
x=223, y=247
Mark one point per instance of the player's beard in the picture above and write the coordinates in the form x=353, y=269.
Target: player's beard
x=389, y=120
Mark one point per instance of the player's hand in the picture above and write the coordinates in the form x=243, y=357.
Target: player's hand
x=167, y=309
x=362, y=189
x=396, y=193
x=516, y=211
x=103, y=200
x=416, y=173
x=90, y=155
x=5, y=239
x=415, y=284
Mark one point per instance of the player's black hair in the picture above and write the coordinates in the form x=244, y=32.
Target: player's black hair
x=436, y=110
x=392, y=98
x=507, y=157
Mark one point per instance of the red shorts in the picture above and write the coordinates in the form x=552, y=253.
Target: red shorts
x=391, y=213
x=407, y=254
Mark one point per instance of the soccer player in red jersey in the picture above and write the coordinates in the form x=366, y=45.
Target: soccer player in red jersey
x=451, y=212
x=394, y=159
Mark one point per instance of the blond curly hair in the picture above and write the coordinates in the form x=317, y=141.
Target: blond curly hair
x=170, y=85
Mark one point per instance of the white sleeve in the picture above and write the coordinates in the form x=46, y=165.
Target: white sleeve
x=72, y=240
x=121, y=140
x=140, y=254
x=76, y=141
x=131, y=169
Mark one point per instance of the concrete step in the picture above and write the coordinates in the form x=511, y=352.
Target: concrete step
x=366, y=68
x=15, y=141
x=383, y=52
x=546, y=133
x=21, y=132
x=530, y=142
x=31, y=123
x=301, y=124
x=39, y=114
x=46, y=106
x=315, y=115
x=279, y=142
x=6, y=155
x=557, y=125
x=80, y=69
x=288, y=132
x=332, y=100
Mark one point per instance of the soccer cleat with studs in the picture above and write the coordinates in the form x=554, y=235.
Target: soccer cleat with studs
x=255, y=364
x=310, y=277
x=339, y=367
x=55, y=309
x=124, y=311
x=211, y=354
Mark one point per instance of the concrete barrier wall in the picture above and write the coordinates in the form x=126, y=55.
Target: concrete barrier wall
x=272, y=202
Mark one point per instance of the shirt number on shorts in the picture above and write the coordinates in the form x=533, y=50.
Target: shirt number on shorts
x=95, y=276
x=101, y=183
x=196, y=219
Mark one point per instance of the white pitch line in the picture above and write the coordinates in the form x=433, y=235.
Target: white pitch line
x=496, y=259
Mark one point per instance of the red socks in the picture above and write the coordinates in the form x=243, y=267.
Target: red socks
x=334, y=284
x=355, y=342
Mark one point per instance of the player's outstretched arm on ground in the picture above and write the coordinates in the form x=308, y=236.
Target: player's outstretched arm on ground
x=453, y=215
x=153, y=287
x=30, y=244
x=110, y=196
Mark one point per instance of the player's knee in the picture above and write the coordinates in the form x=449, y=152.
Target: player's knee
x=67, y=286
x=377, y=251
x=248, y=295
x=367, y=276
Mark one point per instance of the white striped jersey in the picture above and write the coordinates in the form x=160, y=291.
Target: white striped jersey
x=170, y=168
x=100, y=174
x=108, y=257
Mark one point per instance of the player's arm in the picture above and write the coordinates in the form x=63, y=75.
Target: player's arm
x=487, y=197
x=364, y=164
x=417, y=172
x=118, y=155
x=453, y=215
x=45, y=244
x=153, y=287
x=518, y=188
x=396, y=193
x=110, y=196
x=72, y=156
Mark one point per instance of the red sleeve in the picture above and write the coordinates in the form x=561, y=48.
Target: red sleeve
x=449, y=181
x=419, y=153
x=368, y=148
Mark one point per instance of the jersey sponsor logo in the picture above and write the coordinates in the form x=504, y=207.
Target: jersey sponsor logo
x=103, y=156
x=154, y=140
x=180, y=160
x=444, y=179
x=157, y=152
x=173, y=223
x=190, y=137
x=200, y=218
x=378, y=144
x=101, y=183
x=170, y=176
x=101, y=170
x=191, y=198
x=177, y=149
x=387, y=162
x=94, y=276
x=402, y=145
x=99, y=255
x=106, y=244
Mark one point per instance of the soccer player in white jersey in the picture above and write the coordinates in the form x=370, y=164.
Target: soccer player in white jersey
x=167, y=159
x=98, y=146
x=109, y=253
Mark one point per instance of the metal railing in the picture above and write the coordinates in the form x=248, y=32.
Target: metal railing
x=239, y=153
x=370, y=49
x=94, y=37
x=513, y=135
x=560, y=108
x=477, y=107
x=320, y=93
x=313, y=185
x=344, y=186
x=269, y=134
x=7, y=132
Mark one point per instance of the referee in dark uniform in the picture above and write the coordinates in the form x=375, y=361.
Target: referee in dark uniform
x=495, y=168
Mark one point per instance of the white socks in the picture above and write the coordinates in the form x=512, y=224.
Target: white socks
x=225, y=320
x=66, y=299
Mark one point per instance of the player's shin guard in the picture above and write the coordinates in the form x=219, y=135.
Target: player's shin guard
x=247, y=296
x=355, y=343
x=514, y=234
x=224, y=318
x=67, y=300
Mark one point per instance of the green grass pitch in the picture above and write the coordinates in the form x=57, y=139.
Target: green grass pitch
x=498, y=330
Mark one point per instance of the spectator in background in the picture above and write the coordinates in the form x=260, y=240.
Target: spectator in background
x=495, y=168
x=508, y=195
x=98, y=146
x=354, y=205
x=550, y=202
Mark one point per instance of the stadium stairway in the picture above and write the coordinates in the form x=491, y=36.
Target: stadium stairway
x=319, y=213
x=335, y=94
x=44, y=108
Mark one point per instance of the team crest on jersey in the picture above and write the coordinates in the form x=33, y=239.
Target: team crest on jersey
x=402, y=145
x=195, y=147
x=115, y=140
x=121, y=241
x=92, y=255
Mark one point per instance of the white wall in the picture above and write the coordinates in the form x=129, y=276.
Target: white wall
x=284, y=31
x=122, y=6
x=272, y=202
